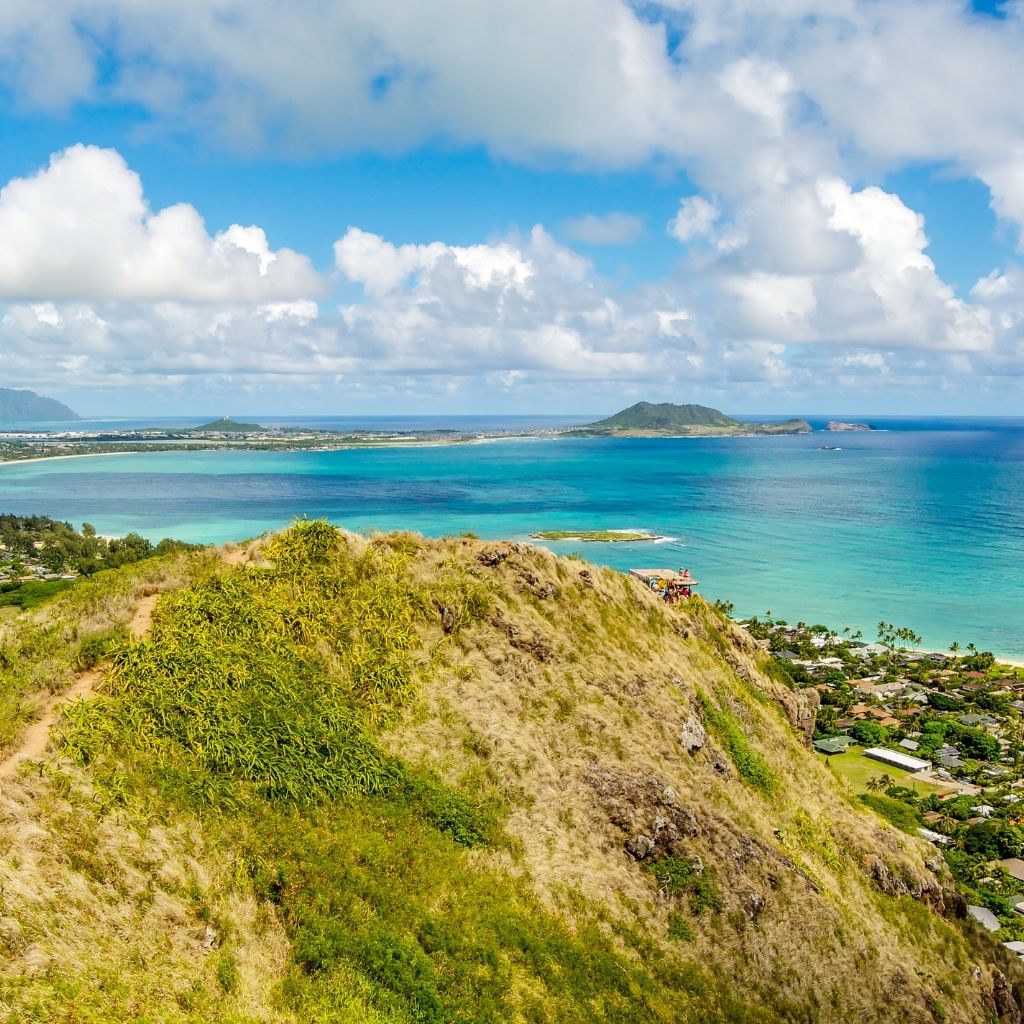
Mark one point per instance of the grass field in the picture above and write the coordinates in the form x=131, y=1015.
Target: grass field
x=858, y=769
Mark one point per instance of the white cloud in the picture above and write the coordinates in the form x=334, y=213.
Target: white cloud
x=615, y=228
x=81, y=228
x=694, y=219
x=382, y=267
x=815, y=283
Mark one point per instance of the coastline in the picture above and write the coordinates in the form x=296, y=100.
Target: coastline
x=57, y=458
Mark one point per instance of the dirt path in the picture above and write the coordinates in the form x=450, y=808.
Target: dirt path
x=36, y=737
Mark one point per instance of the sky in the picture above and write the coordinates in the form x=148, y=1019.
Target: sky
x=539, y=206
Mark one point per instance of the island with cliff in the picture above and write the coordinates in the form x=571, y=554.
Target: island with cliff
x=840, y=426
x=646, y=419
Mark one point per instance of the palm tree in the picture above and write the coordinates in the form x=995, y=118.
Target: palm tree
x=887, y=781
x=953, y=648
x=874, y=784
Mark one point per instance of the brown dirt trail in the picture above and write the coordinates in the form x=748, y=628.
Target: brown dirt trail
x=37, y=736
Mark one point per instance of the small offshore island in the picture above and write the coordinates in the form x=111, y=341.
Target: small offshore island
x=667, y=420
x=643, y=419
x=602, y=536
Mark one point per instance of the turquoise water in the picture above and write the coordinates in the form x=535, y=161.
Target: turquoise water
x=921, y=524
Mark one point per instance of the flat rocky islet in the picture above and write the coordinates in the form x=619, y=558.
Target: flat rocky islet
x=590, y=536
x=840, y=426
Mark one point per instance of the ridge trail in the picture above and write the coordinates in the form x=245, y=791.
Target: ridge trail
x=37, y=735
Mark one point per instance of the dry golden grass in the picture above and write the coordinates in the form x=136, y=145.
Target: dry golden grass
x=103, y=918
x=622, y=674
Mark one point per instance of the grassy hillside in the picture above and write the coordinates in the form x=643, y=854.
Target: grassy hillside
x=398, y=781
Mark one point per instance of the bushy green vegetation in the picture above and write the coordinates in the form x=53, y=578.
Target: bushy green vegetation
x=898, y=813
x=72, y=631
x=59, y=547
x=363, y=766
x=678, y=877
x=368, y=886
x=749, y=764
x=31, y=595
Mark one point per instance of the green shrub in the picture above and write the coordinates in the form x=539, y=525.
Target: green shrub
x=749, y=764
x=227, y=972
x=678, y=877
x=94, y=648
x=898, y=813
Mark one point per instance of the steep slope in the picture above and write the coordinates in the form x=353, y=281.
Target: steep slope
x=395, y=780
x=27, y=406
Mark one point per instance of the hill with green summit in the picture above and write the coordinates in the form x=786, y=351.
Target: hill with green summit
x=339, y=779
x=226, y=425
x=648, y=420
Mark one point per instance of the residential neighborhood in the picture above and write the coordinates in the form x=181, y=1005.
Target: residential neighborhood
x=932, y=741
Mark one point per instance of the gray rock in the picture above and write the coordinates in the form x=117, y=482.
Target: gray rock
x=639, y=846
x=692, y=734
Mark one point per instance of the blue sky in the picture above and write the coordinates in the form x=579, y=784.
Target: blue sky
x=533, y=208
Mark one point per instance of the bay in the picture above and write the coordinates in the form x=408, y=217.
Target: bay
x=920, y=523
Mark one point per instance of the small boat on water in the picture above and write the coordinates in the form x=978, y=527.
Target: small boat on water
x=830, y=448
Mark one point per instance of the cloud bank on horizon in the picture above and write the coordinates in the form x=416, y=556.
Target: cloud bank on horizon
x=798, y=272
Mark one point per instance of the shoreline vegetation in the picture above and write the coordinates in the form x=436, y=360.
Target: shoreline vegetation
x=639, y=421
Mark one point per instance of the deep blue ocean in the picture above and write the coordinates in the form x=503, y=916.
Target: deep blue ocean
x=920, y=522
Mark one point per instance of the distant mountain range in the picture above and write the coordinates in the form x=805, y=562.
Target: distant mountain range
x=27, y=406
x=667, y=420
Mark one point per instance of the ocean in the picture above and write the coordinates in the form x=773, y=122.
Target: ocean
x=920, y=522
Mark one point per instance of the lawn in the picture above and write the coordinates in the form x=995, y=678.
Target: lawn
x=858, y=769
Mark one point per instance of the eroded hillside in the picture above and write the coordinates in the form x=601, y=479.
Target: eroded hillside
x=400, y=780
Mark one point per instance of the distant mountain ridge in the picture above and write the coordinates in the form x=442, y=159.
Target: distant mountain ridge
x=27, y=406
x=646, y=419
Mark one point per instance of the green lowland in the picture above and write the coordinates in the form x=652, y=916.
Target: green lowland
x=333, y=778
x=648, y=420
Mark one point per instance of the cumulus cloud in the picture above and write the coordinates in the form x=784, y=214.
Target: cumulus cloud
x=694, y=218
x=81, y=228
x=606, y=80
x=830, y=264
x=615, y=228
x=817, y=281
